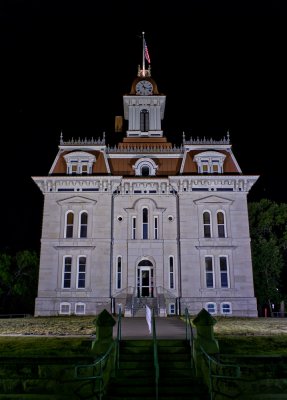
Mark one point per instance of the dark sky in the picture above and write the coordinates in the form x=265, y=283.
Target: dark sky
x=66, y=65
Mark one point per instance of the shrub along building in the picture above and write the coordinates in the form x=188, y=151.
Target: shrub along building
x=145, y=221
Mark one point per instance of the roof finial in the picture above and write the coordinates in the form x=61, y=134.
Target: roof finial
x=61, y=137
x=228, y=136
x=183, y=137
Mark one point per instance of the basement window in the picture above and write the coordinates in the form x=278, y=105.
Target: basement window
x=211, y=308
x=65, y=308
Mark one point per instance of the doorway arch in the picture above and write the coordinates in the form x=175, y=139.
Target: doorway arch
x=145, y=278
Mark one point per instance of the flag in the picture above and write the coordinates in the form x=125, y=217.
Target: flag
x=146, y=54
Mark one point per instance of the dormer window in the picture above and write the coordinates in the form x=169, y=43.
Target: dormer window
x=145, y=167
x=79, y=163
x=209, y=162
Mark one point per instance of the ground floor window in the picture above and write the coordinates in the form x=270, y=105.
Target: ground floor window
x=80, y=308
x=225, y=308
x=172, y=308
x=211, y=308
x=65, y=308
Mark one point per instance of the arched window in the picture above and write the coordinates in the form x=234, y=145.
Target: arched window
x=145, y=223
x=221, y=224
x=69, y=224
x=145, y=167
x=144, y=121
x=171, y=272
x=119, y=272
x=206, y=224
x=145, y=171
x=83, y=226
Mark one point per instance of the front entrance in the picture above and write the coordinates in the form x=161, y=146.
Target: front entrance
x=145, y=279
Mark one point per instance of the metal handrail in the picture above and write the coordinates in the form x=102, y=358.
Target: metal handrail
x=95, y=371
x=155, y=354
x=218, y=366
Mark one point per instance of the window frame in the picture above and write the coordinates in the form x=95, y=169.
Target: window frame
x=79, y=273
x=119, y=272
x=69, y=226
x=207, y=225
x=63, y=304
x=145, y=225
x=222, y=306
x=221, y=226
x=83, y=225
x=171, y=275
x=65, y=273
x=211, y=303
x=225, y=273
x=209, y=273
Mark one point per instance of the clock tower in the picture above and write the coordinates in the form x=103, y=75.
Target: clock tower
x=144, y=105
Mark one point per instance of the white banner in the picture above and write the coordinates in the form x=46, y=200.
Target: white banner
x=148, y=317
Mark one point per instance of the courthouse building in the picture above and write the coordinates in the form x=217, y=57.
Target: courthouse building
x=145, y=222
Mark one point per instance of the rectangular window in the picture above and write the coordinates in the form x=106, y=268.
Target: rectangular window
x=226, y=308
x=211, y=308
x=209, y=272
x=223, y=272
x=215, y=168
x=119, y=273
x=205, y=167
x=80, y=308
x=171, y=272
x=134, y=224
x=84, y=169
x=156, y=227
x=81, y=273
x=172, y=308
x=65, y=308
x=67, y=272
x=74, y=168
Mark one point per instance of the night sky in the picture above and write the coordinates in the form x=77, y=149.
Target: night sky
x=66, y=65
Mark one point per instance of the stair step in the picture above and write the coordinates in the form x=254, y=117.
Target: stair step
x=135, y=378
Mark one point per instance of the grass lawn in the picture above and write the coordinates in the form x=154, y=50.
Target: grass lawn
x=70, y=335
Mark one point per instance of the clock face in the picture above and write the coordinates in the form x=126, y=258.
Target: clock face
x=144, y=88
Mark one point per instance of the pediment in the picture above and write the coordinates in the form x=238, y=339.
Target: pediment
x=76, y=200
x=213, y=200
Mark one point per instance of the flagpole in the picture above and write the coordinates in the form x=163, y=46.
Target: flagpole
x=143, y=55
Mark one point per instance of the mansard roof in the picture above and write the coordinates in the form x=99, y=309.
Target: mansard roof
x=170, y=160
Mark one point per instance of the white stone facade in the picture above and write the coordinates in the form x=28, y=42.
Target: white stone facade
x=145, y=222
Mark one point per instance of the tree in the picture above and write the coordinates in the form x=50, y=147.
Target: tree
x=268, y=231
x=18, y=281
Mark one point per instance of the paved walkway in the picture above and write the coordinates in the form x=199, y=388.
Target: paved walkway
x=137, y=328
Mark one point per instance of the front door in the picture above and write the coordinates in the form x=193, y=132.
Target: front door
x=145, y=282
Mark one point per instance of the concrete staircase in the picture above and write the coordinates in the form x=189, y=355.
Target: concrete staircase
x=135, y=379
